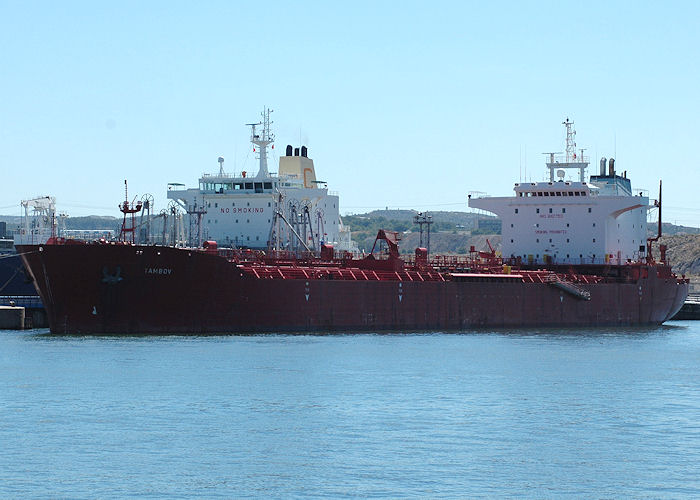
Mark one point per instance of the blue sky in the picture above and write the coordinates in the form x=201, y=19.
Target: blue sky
x=405, y=105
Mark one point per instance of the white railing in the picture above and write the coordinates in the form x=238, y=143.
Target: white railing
x=562, y=159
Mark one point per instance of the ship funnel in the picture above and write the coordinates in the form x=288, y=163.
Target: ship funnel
x=603, y=162
x=289, y=150
x=296, y=151
x=304, y=152
x=611, y=167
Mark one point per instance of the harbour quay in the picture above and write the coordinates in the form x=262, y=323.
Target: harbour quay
x=690, y=309
x=20, y=312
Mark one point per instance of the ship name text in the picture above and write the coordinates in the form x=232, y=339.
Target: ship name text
x=159, y=270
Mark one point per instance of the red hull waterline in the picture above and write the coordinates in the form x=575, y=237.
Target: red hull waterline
x=131, y=289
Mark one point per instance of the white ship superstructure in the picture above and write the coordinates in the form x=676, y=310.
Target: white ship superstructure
x=287, y=210
x=577, y=222
x=39, y=221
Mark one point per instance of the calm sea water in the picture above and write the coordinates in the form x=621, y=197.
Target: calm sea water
x=594, y=413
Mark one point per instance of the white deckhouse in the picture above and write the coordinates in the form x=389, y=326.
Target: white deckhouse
x=288, y=210
x=578, y=222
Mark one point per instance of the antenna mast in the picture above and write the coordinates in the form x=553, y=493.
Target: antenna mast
x=262, y=140
x=570, y=140
x=571, y=159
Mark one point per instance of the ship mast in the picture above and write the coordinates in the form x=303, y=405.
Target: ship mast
x=262, y=140
x=570, y=140
x=129, y=222
x=571, y=159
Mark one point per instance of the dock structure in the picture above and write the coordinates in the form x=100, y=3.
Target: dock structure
x=691, y=308
x=33, y=312
x=11, y=318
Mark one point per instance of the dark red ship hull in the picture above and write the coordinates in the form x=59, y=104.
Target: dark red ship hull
x=126, y=289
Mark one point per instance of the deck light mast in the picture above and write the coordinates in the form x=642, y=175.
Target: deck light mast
x=129, y=209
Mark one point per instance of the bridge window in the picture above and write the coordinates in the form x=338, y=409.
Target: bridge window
x=576, y=193
x=267, y=185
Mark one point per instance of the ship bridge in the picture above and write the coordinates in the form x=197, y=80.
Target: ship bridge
x=245, y=209
x=576, y=222
x=554, y=189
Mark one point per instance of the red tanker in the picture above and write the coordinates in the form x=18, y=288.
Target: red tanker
x=122, y=288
